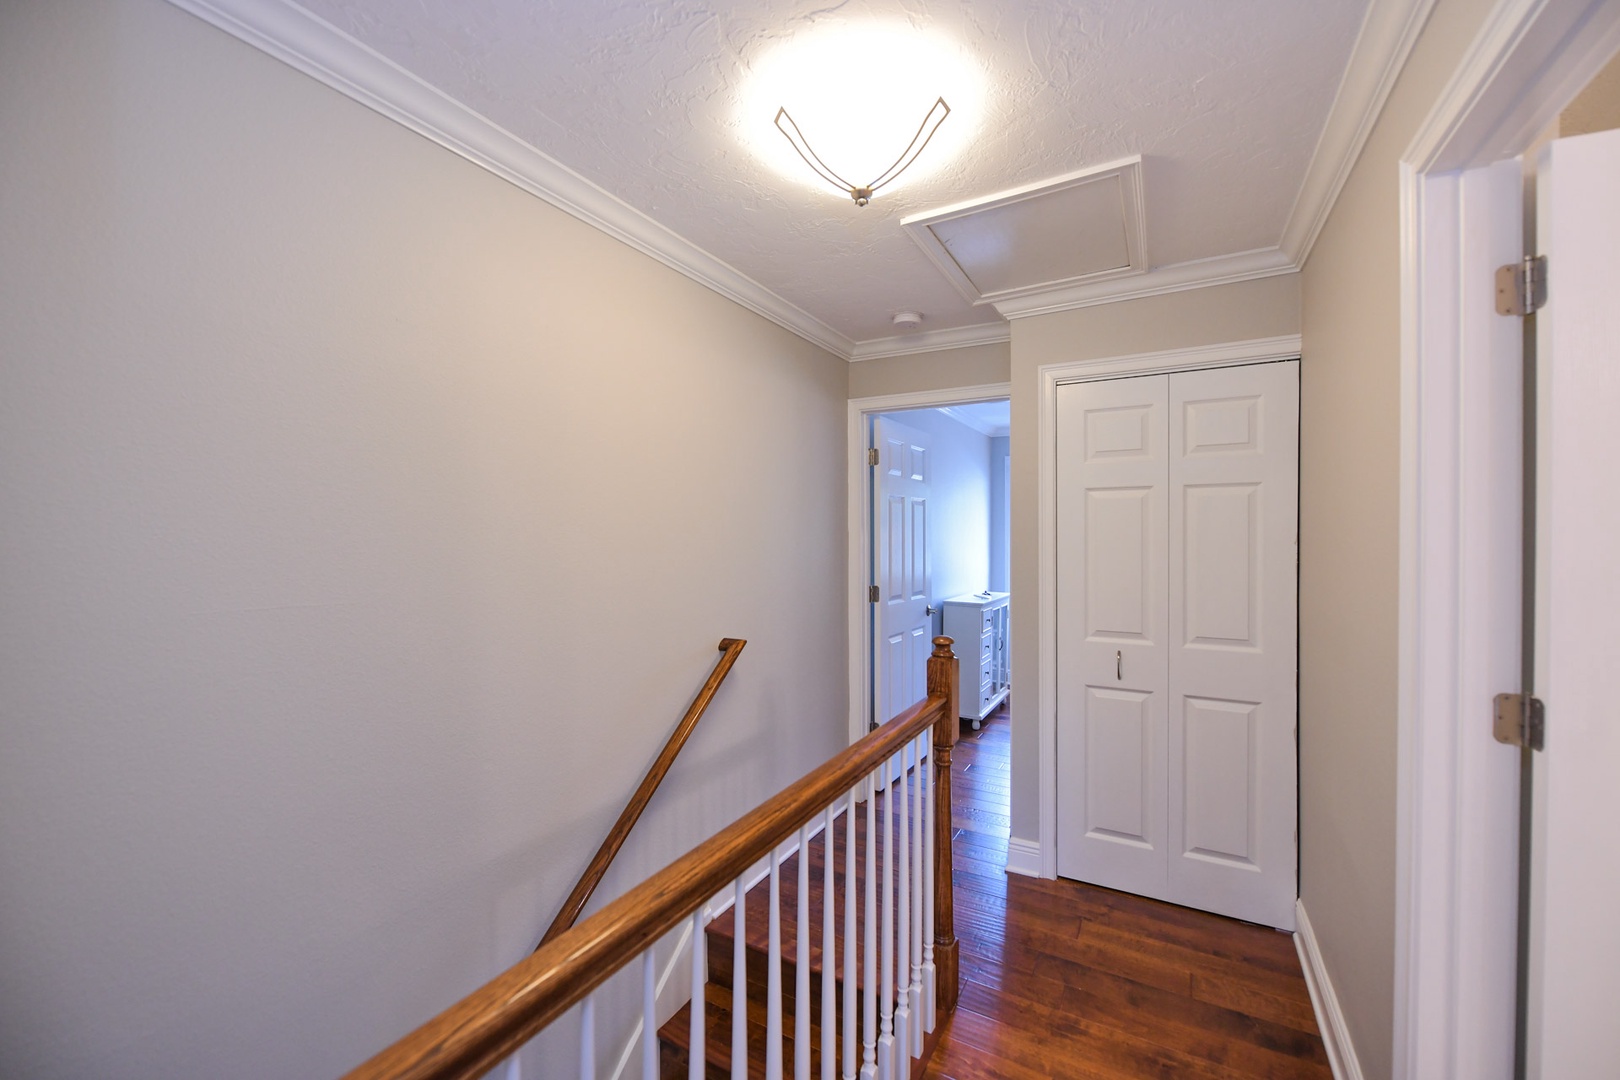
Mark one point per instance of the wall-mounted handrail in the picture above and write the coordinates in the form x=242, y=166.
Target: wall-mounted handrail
x=476, y=1034
x=730, y=648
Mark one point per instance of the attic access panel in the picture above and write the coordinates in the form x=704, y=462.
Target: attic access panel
x=1083, y=227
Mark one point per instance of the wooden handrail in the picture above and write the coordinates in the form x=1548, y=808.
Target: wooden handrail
x=484, y=1028
x=730, y=648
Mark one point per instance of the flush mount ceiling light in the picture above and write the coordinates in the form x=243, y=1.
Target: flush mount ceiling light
x=846, y=99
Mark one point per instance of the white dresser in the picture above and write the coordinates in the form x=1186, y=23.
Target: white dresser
x=977, y=623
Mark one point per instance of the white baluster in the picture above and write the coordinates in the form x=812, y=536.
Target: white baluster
x=902, y=929
x=886, y=1002
x=851, y=970
x=773, y=978
x=919, y=885
x=930, y=1006
x=801, y=966
x=587, y=1039
x=700, y=979
x=649, y=1016
x=869, y=937
x=829, y=950
x=739, y=986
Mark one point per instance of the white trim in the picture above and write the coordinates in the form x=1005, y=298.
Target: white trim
x=1049, y=377
x=859, y=518
x=323, y=52
x=1329, y=1017
x=956, y=337
x=1178, y=277
x=1023, y=857
x=920, y=227
x=1388, y=32
x=1527, y=60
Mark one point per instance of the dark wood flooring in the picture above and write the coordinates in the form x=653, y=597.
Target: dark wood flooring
x=1061, y=979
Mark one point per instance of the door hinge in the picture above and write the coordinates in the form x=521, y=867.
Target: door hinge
x=872, y=594
x=1520, y=720
x=1521, y=287
x=871, y=455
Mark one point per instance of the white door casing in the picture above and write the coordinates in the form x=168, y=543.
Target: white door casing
x=904, y=625
x=1575, y=845
x=1177, y=511
x=1112, y=666
x=1233, y=700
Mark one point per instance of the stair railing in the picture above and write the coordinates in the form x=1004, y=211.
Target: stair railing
x=908, y=946
x=730, y=648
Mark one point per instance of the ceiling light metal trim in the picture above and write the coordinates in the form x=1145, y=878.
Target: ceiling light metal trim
x=1127, y=170
x=862, y=193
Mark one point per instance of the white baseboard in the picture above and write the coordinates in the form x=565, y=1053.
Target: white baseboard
x=1024, y=857
x=1329, y=1018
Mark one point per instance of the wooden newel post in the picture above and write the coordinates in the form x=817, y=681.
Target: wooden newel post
x=942, y=682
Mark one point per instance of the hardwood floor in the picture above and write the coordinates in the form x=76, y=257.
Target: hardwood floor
x=1061, y=979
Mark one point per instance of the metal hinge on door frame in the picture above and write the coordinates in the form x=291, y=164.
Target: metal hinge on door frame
x=871, y=455
x=1521, y=287
x=1520, y=721
x=872, y=594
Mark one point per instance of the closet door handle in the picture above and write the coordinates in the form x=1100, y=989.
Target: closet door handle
x=1119, y=664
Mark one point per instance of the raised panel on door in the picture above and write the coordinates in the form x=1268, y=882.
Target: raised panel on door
x=1111, y=502
x=1233, y=522
x=902, y=627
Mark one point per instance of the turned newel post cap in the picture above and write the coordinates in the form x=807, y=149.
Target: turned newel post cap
x=942, y=647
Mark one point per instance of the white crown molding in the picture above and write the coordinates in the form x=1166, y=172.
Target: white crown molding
x=1329, y=1016
x=957, y=337
x=318, y=49
x=1388, y=32
x=1179, y=277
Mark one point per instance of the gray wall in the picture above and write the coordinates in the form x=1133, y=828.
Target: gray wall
x=980, y=365
x=1350, y=412
x=356, y=556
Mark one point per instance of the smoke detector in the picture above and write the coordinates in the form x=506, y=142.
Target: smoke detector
x=907, y=320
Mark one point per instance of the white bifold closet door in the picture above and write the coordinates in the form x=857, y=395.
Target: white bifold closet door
x=1177, y=515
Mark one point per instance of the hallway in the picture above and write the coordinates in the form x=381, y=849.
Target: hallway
x=1061, y=979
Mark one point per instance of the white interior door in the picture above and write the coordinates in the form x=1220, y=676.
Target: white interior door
x=1575, y=840
x=903, y=625
x=1112, y=671
x=1177, y=512
x=1234, y=513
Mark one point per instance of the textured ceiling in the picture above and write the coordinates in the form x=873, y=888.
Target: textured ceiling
x=1224, y=101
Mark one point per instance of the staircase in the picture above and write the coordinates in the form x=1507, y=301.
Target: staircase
x=720, y=940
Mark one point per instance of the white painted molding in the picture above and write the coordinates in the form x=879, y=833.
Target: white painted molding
x=859, y=527
x=1525, y=63
x=1388, y=32
x=1048, y=378
x=1179, y=277
x=323, y=52
x=957, y=337
x=1329, y=1017
x=1024, y=857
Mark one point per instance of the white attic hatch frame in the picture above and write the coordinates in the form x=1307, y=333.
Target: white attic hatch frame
x=1076, y=229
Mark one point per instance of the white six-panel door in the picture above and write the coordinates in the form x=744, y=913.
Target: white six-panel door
x=1177, y=524
x=904, y=627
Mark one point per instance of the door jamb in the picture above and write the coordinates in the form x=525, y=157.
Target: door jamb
x=861, y=410
x=1049, y=377
x=1526, y=63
